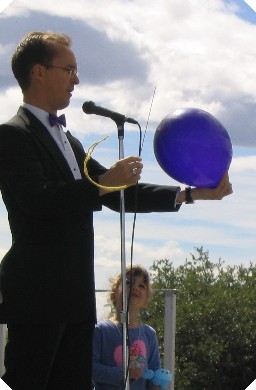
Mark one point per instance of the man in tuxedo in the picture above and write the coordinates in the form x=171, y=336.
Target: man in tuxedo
x=47, y=276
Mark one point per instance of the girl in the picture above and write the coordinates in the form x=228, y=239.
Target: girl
x=108, y=371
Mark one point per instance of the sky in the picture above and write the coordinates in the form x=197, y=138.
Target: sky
x=146, y=59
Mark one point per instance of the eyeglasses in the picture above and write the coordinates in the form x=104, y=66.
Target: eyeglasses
x=72, y=71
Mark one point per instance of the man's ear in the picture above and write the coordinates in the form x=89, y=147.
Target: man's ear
x=38, y=71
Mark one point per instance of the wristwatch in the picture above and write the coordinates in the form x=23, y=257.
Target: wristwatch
x=188, y=196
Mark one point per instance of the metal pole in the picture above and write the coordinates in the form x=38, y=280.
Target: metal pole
x=123, y=314
x=169, y=333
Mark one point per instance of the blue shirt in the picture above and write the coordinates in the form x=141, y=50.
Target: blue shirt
x=107, y=355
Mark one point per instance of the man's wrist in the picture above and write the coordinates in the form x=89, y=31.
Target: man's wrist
x=188, y=196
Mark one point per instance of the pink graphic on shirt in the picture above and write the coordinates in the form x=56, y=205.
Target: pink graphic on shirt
x=138, y=354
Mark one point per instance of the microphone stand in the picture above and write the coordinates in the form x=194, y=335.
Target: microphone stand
x=124, y=314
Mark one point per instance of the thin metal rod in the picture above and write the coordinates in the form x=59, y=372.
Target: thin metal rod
x=124, y=313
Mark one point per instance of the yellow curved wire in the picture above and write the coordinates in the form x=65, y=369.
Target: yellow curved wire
x=87, y=158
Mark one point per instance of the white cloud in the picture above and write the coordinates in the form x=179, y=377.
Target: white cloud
x=4, y=4
x=16, y=8
x=244, y=164
x=192, y=60
x=10, y=99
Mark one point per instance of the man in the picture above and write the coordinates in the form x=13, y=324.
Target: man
x=47, y=277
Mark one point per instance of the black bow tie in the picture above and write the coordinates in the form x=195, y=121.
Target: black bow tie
x=54, y=120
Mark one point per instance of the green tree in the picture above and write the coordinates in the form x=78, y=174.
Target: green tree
x=215, y=322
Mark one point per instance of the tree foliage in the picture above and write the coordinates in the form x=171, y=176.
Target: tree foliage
x=215, y=321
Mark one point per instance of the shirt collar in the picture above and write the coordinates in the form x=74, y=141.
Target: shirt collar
x=42, y=115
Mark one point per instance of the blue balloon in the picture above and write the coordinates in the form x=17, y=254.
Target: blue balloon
x=193, y=147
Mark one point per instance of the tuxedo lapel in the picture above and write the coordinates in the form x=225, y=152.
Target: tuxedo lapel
x=78, y=151
x=39, y=132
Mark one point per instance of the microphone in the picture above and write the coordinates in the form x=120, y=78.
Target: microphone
x=91, y=108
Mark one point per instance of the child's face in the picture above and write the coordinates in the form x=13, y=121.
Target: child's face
x=139, y=292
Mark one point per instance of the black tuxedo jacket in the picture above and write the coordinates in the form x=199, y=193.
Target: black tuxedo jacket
x=48, y=273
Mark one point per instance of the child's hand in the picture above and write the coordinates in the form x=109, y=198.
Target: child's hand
x=135, y=372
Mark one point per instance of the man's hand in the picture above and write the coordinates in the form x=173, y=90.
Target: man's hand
x=223, y=189
x=124, y=172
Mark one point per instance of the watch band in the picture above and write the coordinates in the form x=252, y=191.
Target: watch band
x=188, y=196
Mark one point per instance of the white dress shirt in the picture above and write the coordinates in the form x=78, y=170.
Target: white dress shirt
x=59, y=137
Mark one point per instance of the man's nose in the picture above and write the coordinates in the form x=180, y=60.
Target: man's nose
x=76, y=80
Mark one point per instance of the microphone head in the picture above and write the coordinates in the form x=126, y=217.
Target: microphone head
x=88, y=107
